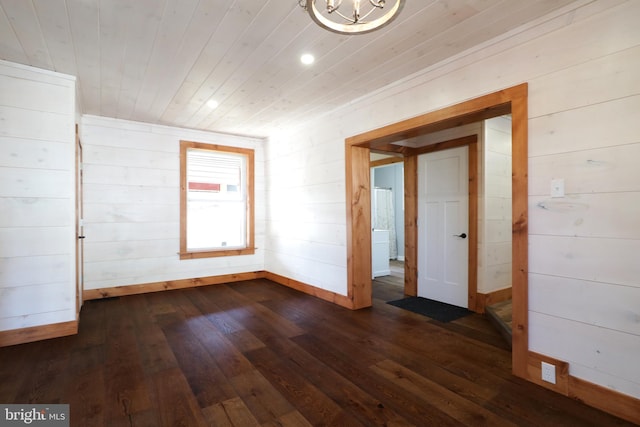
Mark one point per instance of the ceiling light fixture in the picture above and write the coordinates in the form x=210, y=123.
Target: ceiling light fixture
x=359, y=20
x=212, y=103
x=307, y=59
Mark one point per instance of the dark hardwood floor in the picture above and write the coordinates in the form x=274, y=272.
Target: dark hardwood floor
x=257, y=353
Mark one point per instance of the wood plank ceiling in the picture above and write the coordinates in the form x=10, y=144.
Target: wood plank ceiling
x=160, y=61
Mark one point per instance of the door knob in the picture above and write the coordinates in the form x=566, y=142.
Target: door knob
x=463, y=235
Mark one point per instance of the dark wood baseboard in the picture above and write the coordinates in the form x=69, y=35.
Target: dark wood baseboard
x=606, y=399
x=534, y=372
x=484, y=300
x=119, y=291
x=338, y=299
x=38, y=333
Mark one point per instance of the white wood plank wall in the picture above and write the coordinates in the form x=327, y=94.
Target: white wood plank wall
x=37, y=204
x=582, y=65
x=132, y=204
x=306, y=216
x=495, y=260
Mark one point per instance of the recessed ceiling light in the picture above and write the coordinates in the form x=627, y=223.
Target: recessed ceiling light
x=307, y=59
x=212, y=103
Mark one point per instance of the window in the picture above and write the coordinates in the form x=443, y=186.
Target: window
x=216, y=200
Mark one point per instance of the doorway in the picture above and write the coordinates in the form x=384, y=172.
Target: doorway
x=509, y=101
x=443, y=221
x=387, y=216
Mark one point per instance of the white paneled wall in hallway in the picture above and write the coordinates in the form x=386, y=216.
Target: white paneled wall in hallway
x=582, y=67
x=37, y=204
x=132, y=204
x=495, y=206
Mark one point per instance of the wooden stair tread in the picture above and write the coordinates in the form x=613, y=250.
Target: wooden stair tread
x=500, y=316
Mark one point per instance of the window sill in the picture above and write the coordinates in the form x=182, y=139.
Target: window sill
x=218, y=253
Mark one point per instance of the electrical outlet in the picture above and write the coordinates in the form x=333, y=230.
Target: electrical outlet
x=548, y=372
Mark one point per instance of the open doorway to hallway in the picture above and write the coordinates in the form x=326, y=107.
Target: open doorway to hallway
x=387, y=214
x=488, y=224
x=358, y=148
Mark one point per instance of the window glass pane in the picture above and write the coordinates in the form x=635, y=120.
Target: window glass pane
x=216, y=200
x=215, y=225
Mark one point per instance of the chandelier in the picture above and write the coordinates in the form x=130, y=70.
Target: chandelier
x=364, y=16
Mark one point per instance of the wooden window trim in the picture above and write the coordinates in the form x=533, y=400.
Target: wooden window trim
x=250, y=244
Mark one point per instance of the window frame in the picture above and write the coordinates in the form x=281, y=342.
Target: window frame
x=250, y=209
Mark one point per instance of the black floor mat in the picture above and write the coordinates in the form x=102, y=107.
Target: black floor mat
x=437, y=310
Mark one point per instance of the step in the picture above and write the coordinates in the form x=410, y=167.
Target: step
x=500, y=316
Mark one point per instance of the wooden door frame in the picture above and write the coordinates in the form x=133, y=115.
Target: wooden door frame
x=358, y=192
x=79, y=226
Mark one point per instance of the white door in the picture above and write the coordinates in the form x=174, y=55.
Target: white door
x=443, y=221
